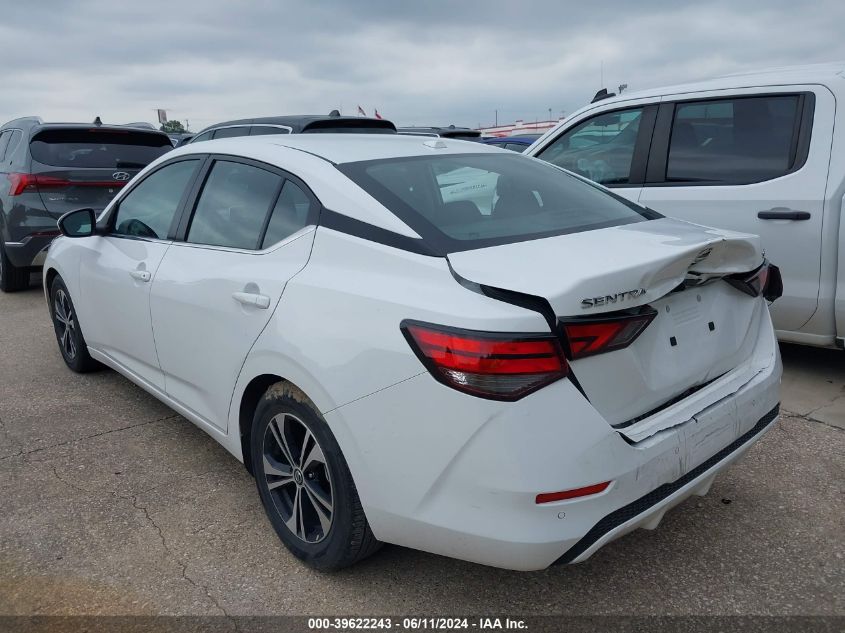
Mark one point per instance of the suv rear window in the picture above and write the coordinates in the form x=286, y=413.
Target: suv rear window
x=349, y=126
x=98, y=148
x=462, y=201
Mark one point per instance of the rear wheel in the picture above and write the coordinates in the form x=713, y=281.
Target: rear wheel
x=68, y=334
x=12, y=278
x=305, y=484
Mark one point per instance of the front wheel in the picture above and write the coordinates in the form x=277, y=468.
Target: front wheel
x=68, y=334
x=305, y=484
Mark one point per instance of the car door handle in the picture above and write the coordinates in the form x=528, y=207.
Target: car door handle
x=141, y=275
x=252, y=299
x=783, y=214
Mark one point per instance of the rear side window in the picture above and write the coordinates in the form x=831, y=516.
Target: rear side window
x=234, y=205
x=13, y=142
x=148, y=210
x=600, y=148
x=205, y=136
x=733, y=141
x=462, y=201
x=229, y=132
x=290, y=214
x=260, y=130
x=4, y=142
x=98, y=148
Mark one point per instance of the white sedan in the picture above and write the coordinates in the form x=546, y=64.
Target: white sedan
x=515, y=385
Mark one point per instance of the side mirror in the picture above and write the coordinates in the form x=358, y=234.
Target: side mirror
x=79, y=223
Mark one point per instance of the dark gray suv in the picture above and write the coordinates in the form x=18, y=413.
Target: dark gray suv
x=48, y=169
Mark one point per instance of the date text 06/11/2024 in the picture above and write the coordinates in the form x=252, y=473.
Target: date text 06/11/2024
x=416, y=623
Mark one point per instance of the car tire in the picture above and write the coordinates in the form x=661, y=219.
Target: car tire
x=307, y=491
x=12, y=278
x=69, y=336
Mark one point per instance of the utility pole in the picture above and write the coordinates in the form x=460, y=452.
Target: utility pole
x=496, y=124
x=601, y=75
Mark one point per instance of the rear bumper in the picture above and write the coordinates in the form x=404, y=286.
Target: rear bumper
x=30, y=252
x=648, y=510
x=447, y=473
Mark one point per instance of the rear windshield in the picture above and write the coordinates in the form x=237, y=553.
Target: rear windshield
x=98, y=148
x=463, y=201
x=329, y=126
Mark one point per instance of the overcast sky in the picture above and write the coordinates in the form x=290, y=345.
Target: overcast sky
x=418, y=62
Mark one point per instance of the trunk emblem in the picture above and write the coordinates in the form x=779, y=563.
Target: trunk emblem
x=120, y=175
x=594, y=302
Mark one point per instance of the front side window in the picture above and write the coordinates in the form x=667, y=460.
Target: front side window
x=733, y=141
x=600, y=148
x=462, y=201
x=233, y=206
x=148, y=210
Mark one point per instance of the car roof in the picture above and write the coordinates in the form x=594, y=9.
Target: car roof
x=298, y=122
x=36, y=124
x=342, y=148
x=830, y=74
x=825, y=74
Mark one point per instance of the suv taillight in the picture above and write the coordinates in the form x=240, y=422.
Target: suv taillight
x=493, y=365
x=31, y=182
x=605, y=333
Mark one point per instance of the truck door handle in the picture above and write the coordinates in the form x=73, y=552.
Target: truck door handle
x=783, y=214
x=140, y=275
x=252, y=299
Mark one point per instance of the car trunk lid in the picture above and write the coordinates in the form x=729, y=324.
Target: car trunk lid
x=703, y=328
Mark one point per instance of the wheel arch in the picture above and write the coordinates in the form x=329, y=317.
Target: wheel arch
x=252, y=395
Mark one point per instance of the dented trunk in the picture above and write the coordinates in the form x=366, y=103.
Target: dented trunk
x=703, y=329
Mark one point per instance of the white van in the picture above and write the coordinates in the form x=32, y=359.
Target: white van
x=760, y=152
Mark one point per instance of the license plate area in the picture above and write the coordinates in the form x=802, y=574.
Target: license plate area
x=708, y=432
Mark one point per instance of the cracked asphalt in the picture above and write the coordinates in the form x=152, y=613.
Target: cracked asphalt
x=112, y=504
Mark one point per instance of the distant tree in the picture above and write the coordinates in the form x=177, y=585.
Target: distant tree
x=173, y=126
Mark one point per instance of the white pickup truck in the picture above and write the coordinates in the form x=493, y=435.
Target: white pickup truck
x=761, y=152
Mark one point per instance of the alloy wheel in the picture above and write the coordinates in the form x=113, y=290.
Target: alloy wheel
x=65, y=323
x=298, y=478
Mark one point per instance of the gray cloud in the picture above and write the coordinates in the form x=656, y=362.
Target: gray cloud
x=418, y=63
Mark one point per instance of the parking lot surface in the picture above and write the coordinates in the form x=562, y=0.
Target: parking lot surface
x=110, y=503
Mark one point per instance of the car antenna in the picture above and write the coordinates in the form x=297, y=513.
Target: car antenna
x=603, y=94
x=334, y=113
x=97, y=121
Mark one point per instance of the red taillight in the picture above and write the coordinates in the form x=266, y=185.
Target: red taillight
x=766, y=281
x=20, y=183
x=606, y=333
x=490, y=365
x=549, y=497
